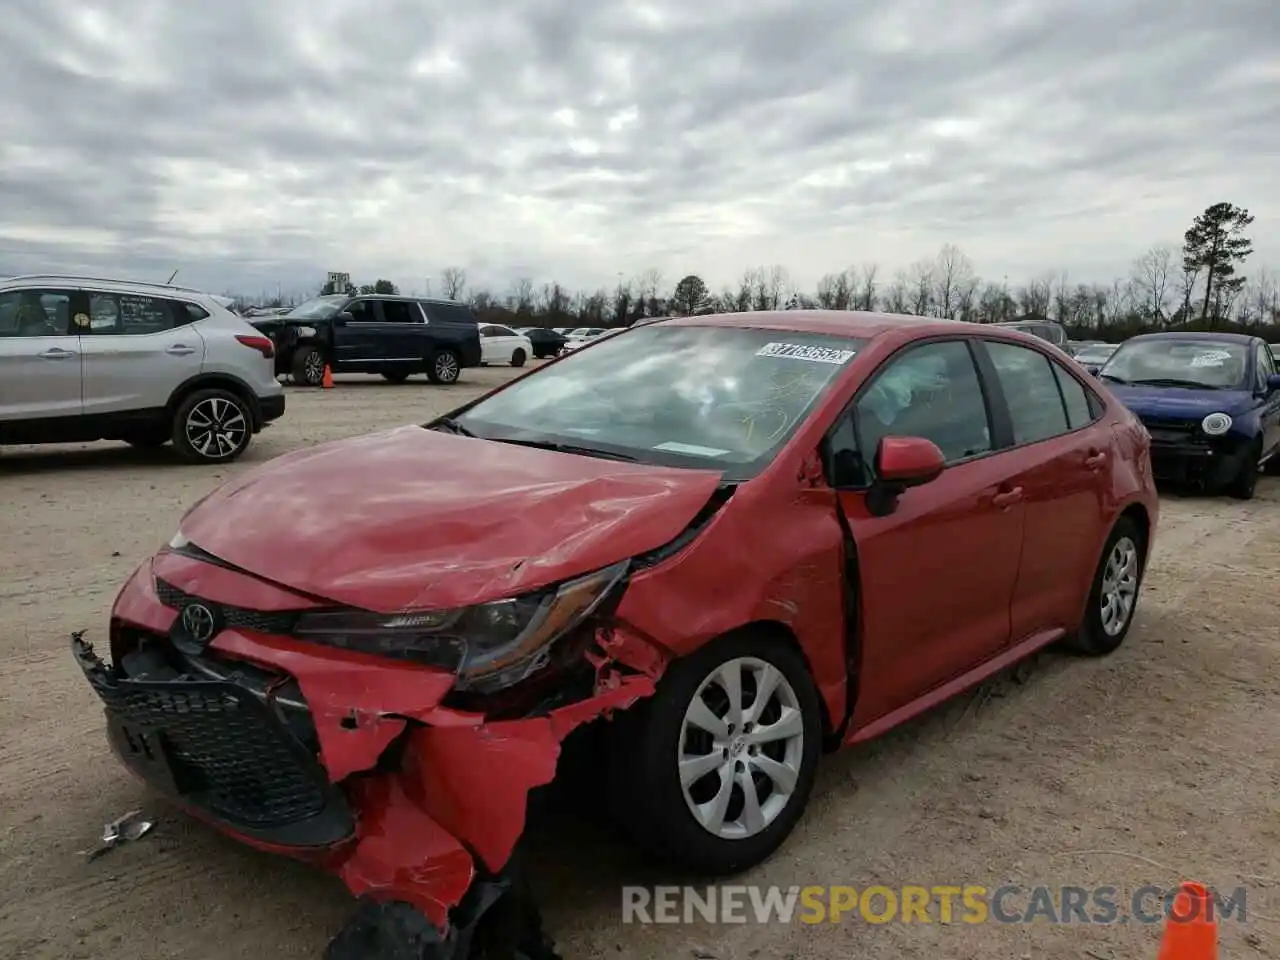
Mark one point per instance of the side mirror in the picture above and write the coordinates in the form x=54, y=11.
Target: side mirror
x=1273, y=383
x=1093, y=369
x=902, y=463
x=342, y=319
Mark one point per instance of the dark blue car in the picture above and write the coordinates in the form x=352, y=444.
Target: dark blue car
x=1211, y=402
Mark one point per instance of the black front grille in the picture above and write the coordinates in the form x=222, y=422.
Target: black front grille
x=212, y=744
x=239, y=618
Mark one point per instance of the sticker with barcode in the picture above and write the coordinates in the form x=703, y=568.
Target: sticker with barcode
x=801, y=351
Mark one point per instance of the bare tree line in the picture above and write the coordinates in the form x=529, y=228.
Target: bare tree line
x=1198, y=286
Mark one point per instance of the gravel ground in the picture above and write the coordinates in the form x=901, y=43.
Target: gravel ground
x=1148, y=767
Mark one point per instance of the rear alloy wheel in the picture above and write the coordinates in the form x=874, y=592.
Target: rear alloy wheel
x=212, y=426
x=308, y=366
x=1114, y=595
x=1245, y=482
x=518, y=358
x=445, y=367
x=717, y=767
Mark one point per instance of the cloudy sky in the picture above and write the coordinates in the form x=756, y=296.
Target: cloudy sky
x=249, y=143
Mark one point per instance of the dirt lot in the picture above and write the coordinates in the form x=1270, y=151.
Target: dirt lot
x=1157, y=764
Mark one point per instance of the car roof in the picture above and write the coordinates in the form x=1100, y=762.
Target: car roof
x=105, y=283
x=1207, y=335
x=846, y=323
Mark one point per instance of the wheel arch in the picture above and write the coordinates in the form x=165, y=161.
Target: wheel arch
x=780, y=632
x=1137, y=513
x=216, y=381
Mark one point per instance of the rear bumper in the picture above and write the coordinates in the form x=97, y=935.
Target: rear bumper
x=272, y=407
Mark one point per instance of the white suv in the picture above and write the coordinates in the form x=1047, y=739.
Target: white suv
x=86, y=359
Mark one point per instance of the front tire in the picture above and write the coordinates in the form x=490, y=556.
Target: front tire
x=1245, y=482
x=308, y=366
x=212, y=426
x=445, y=367
x=1113, y=598
x=714, y=771
x=518, y=358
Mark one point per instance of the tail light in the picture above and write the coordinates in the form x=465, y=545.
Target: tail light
x=262, y=344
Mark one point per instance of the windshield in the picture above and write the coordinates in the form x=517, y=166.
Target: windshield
x=723, y=398
x=1205, y=364
x=319, y=308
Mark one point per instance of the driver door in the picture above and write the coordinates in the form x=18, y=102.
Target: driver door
x=937, y=575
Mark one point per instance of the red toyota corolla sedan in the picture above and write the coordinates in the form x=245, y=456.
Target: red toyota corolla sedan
x=729, y=542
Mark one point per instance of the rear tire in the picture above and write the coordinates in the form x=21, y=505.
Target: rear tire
x=1113, y=598
x=308, y=366
x=518, y=358
x=445, y=367
x=658, y=738
x=212, y=426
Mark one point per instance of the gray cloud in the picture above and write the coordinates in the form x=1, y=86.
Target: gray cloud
x=250, y=144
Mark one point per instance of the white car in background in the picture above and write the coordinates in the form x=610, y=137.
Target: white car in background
x=583, y=335
x=84, y=359
x=499, y=344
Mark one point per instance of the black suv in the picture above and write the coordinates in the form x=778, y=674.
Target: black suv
x=394, y=336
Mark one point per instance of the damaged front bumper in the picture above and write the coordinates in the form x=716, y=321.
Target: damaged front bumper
x=345, y=760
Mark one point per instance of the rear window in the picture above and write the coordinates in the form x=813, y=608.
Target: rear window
x=448, y=312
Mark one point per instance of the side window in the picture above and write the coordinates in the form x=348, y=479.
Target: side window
x=488, y=331
x=362, y=311
x=128, y=314
x=1079, y=411
x=35, y=313
x=930, y=391
x=188, y=313
x=502, y=331
x=399, y=311
x=1031, y=391
x=1266, y=363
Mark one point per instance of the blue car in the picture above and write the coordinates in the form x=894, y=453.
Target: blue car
x=1211, y=402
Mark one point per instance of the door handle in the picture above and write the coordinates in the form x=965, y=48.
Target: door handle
x=56, y=353
x=180, y=350
x=1007, y=498
x=1095, y=461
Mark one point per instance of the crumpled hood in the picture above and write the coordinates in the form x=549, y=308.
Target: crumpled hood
x=414, y=518
x=1180, y=403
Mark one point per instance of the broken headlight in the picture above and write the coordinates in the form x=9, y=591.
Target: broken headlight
x=488, y=647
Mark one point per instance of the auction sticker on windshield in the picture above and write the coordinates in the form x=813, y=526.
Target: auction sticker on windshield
x=801, y=351
x=1210, y=358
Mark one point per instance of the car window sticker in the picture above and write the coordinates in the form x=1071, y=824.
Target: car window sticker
x=802, y=351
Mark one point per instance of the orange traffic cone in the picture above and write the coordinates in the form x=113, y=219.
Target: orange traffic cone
x=1191, y=929
x=327, y=382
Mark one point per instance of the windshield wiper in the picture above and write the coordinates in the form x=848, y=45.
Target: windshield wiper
x=568, y=448
x=1112, y=377
x=1175, y=382
x=453, y=426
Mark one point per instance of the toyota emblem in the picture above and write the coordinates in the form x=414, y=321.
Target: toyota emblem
x=198, y=622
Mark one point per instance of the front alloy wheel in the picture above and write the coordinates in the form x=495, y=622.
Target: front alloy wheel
x=715, y=769
x=741, y=748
